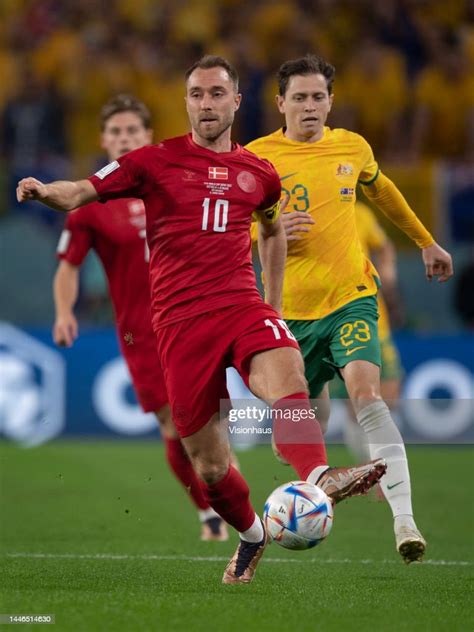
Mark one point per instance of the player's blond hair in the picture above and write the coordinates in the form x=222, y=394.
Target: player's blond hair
x=125, y=103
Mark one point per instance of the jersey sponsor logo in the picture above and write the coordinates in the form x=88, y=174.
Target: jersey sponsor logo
x=288, y=176
x=64, y=241
x=247, y=181
x=105, y=171
x=218, y=173
x=344, y=170
x=189, y=175
x=351, y=351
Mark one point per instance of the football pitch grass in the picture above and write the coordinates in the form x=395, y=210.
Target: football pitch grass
x=100, y=535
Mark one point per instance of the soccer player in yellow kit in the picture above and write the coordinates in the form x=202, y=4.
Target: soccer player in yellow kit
x=329, y=294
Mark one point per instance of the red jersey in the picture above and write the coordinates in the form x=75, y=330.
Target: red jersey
x=198, y=205
x=117, y=234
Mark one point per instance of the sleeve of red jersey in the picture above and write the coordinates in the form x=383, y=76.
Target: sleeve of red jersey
x=125, y=177
x=75, y=240
x=269, y=206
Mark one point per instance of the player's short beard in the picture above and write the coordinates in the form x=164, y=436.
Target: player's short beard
x=223, y=127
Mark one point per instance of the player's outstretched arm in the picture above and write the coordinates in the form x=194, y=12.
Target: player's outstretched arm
x=61, y=195
x=65, y=292
x=391, y=202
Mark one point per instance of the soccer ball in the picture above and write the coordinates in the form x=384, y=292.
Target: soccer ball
x=298, y=515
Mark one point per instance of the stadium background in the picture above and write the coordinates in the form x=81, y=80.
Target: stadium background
x=405, y=80
x=95, y=529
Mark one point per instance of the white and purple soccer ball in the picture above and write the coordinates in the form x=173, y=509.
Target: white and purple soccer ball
x=298, y=515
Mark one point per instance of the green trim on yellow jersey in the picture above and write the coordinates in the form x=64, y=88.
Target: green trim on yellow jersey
x=371, y=181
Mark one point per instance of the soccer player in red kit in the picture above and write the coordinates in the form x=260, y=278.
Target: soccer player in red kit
x=118, y=238
x=200, y=191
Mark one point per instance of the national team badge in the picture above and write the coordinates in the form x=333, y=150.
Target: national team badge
x=218, y=173
x=247, y=181
x=344, y=170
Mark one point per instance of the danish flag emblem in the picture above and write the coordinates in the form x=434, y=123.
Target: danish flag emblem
x=218, y=173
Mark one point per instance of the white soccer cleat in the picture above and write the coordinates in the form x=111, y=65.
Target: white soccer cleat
x=410, y=544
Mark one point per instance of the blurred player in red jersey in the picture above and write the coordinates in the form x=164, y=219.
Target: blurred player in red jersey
x=200, y=192
x=118, y=237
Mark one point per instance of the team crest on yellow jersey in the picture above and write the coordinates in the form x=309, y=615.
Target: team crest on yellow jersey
x=344, y=170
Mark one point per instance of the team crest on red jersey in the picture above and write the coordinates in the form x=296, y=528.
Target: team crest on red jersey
x=247, y=181
x=218, y=173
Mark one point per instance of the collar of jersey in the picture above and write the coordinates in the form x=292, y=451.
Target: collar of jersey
x=299, y=143
x=236, y=148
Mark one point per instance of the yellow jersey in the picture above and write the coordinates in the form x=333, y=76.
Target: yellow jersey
x=327, y=268
x=372, y=237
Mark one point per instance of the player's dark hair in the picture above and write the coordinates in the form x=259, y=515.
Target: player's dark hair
x=125, y=103
x=213, y=61
x=308, y=65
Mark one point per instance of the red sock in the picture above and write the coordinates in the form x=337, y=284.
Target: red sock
x=297, y=434
x=181, y=466
x=230, y=498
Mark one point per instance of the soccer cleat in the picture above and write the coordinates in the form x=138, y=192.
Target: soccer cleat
x=242, y=566
x=340, y=483
x=214, y=530
x=410, y=544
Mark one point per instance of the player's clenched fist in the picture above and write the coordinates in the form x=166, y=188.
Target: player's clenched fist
x=30, y=189
x=437, y=262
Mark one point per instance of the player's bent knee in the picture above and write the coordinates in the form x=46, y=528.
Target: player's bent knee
x=211, y=472
x=363, y=394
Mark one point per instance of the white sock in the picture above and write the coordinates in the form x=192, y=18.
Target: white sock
x=403, y=521
x=356, y=440
x=385, y=441
x=316, y=473
x=206, y=514
x=255, y=533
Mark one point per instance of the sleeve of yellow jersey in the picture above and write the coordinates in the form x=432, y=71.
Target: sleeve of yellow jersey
x=385, y=195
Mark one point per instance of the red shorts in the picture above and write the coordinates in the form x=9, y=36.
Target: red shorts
x=143, y=363
x=195, y=353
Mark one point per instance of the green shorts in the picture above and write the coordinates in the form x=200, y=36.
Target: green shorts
x=391, y=369
x=328, y=344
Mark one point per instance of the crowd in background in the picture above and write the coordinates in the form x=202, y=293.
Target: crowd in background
x=404, y=73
